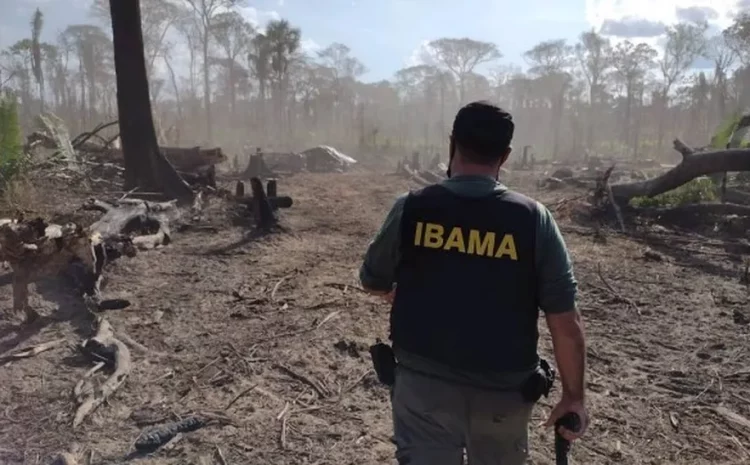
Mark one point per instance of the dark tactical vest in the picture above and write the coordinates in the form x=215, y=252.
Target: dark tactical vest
x=466, y=283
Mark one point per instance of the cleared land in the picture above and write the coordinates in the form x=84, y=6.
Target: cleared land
x=269, y=335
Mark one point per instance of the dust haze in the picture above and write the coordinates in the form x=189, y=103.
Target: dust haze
x=185, y=291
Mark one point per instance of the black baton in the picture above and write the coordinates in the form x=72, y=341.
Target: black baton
x=571, y=422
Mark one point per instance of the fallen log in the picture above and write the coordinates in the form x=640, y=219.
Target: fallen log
x=104, y=347
x=146, y=224
x=692, y=166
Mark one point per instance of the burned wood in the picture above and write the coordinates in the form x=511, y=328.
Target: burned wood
x=271, y=188
x=104, y=346
x=157, y=437
x=264, y=215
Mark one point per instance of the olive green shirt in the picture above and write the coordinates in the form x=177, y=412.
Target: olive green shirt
x=556, y=284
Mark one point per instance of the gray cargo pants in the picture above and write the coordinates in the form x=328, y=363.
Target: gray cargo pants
x=434, y=421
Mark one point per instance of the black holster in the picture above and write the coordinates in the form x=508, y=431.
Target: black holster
x=539, y=383
x=384, y=362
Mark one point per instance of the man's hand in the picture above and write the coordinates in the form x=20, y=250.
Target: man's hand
x=569, y=406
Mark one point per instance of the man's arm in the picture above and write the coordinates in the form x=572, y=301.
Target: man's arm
x=378, y=271
x=557, y=294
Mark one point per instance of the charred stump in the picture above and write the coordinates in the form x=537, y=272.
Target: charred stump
x=264, y=215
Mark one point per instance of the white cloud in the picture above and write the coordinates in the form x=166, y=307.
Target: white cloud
x=663, y=11
x=259, y=18
x=309, y=46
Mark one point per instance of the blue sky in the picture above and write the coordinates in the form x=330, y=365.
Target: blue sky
x=387, y=35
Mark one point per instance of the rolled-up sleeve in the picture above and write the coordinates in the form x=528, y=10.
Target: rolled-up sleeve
x=378, y=270
x=557, y=286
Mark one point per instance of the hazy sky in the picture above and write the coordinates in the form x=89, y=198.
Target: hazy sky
x=386, y=35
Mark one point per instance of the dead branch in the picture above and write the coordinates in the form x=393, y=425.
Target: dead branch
x=315, y=384
x=104, y=345
x=614, y=293
x=82, y=138
x=82, y=384
x=31, y=351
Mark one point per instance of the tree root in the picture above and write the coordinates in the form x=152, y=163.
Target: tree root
x=103, y=346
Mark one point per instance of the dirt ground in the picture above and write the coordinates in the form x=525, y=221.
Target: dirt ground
x=272, y=333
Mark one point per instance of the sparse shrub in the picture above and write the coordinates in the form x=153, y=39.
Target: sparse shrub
x=11, y=147
x=696, y=191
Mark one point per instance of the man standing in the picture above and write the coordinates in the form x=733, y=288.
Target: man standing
x=467, y=264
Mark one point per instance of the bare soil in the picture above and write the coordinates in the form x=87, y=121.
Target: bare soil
x=280, y=320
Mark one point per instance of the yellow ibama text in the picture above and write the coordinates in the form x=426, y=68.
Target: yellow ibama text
x=472, y=241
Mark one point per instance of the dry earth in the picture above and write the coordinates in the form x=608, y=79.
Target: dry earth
x=273, y=333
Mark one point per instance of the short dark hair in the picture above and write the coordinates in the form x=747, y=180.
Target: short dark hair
x=482, y=131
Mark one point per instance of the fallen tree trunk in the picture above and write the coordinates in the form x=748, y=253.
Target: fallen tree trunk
x=692, y=166
x=146, y=224
x=103, y=346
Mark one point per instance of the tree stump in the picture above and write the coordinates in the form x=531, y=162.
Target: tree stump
x=271, y=188
x=264, y=216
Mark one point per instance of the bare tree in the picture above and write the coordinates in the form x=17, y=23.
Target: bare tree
x=719, y=50
x=204, y=13
x=685, y=43
x=462, y=56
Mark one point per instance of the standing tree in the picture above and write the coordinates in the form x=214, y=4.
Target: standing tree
x=205, y=12
x=594, y=54
x=723, y=56
x=233, y=35
x=685, y=43
x=36, y=53
x=145, y=165
x=462, y=56
x=549, y=62
x=283, y=44
x=631, y=64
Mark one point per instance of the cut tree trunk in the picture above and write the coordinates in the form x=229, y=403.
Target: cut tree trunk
x=145, y=166
x=692, y=166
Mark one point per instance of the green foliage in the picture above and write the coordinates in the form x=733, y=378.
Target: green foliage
x=724, y=132
x=696, y=191
x=11, y=147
